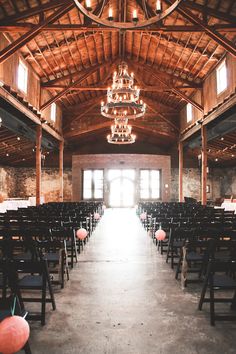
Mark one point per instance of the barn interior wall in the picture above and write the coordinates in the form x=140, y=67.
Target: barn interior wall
x=211, y=99
x=121, y=161
x=20, y=182
x=35, y=95
x=7, y=183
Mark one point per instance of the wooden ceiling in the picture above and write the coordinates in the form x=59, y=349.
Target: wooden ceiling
x=75, y=58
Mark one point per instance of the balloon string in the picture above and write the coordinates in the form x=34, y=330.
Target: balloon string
x=14, y=307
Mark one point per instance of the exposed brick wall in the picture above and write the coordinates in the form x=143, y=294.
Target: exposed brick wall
x=120, y=161
x=20, y=182
x=191, y=183
x=224, y=182
x=7, y=183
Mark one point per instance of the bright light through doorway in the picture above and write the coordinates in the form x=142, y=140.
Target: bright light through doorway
x=121, y=188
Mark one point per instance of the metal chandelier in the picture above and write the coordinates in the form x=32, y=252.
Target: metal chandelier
x=123, y=103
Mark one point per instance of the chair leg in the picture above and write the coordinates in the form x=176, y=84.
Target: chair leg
x=203, y=293
x=27, y=348
x=43, y=304
x=50, y=291
x=212, y=304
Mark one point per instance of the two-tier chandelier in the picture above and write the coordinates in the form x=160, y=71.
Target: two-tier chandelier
x=123, y=103
x=144, y=14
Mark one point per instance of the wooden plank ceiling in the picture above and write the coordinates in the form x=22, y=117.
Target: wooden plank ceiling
x=75, y=58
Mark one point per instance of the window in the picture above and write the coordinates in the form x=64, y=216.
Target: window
x=22, y=77
x=150, y=184
x=53, y=112
x=189, y=112
x=221, y=77
x=93, y=184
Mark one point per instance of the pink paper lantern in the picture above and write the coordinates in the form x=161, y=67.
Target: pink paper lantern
x=81, y=234
x=143, y=216
x=160, y=235
x=96, y=216
x=14, y=333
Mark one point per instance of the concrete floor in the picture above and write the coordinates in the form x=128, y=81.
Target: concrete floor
x=122, y=298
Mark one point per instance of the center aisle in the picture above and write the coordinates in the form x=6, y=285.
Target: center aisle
x=122, y=298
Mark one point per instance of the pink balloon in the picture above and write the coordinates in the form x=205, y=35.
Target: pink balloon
x=14, y=333
x=96, y=216
x=160, y=235
x=143, y=216
x=81, y=234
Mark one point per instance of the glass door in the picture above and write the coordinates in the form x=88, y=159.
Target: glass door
x=121, y=188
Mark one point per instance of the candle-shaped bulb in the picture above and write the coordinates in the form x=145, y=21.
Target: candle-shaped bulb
x=158, y=5
x=88, y=4
x=135, y=14
x=110, y=13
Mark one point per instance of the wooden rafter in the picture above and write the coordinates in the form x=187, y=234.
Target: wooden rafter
x=210, y=11
x=21, y=41
x=216, y=36
x=154, y=108
x=24, y=27
x=173, y=89
x=19, y=16
x=77, y=82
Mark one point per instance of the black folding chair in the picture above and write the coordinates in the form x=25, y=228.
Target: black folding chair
x=30, y=276
x=220, y=277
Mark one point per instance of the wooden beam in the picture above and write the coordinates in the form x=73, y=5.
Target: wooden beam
x=181, y=163
x=146, y=88
x=173, y=89
x=61, y=149
x=77, y=82
x=21, y=41
x=204, y=164
x=152, y=104
x=84, y=111
x=211, y=12
x=148, y=68
x=33, y=11
x=217, y=37
x=92, y=128
x=38, y=163
x=28, y=113
x=24, y=27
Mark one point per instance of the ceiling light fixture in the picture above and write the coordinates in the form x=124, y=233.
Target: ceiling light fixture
x=123, y=97
x=121, y=133
x=108, y=16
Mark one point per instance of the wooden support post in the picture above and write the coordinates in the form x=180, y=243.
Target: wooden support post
x=61, y=149
x=38, y=163
x=181, y=158
x=204, y=164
